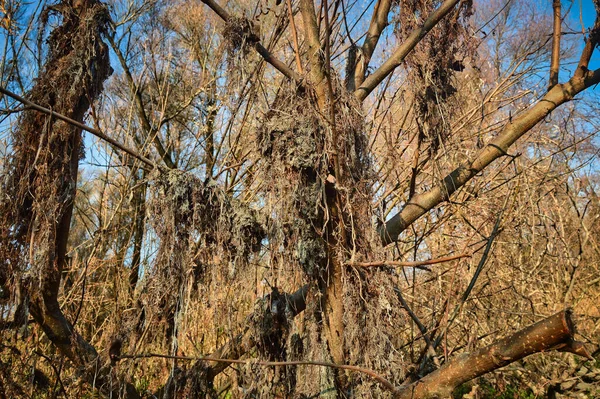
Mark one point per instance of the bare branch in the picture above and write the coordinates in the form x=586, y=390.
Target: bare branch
x=591, y=43
x=264, y=53
x=79, y=125
x=401, y=52
x=555, y=61
x=379, y=22
x=150, y=132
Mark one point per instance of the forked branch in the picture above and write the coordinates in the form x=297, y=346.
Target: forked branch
x=405, y=48
x=422, y=203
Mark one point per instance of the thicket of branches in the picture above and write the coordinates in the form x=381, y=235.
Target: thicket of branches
x=299, y=199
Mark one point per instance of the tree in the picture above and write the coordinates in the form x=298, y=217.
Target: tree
x=249, y=160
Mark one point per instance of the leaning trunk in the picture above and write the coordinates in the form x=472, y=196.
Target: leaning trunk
x=43, y=172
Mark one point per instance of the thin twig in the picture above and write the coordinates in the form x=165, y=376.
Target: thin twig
x=79, y=125
x=417, y=264
x=368, y=372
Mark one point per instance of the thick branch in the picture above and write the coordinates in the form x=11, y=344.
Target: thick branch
x=424, y=202
x=401, y=52
x=555, y=61
x=379, y=21
x=554, y=332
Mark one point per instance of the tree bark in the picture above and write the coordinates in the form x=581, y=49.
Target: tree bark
x=43, y=174
x=555, y=332
x=498, y=147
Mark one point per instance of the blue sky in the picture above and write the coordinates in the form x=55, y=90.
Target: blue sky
x=580, y=11
x=585, y=9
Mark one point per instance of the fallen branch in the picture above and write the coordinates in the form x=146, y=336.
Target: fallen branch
x=553, y=333
x=416, y=264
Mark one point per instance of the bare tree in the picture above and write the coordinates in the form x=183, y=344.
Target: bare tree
x=267, y=192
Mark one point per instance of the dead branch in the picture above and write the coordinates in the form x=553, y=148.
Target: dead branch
x=416, y=264
x=554, y=331
x=79, y=125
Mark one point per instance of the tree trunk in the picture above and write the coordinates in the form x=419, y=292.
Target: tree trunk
x=43, y=172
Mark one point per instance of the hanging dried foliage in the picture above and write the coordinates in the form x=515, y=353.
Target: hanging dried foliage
x=40, y=180
x=199, y=227
x=433, y=63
